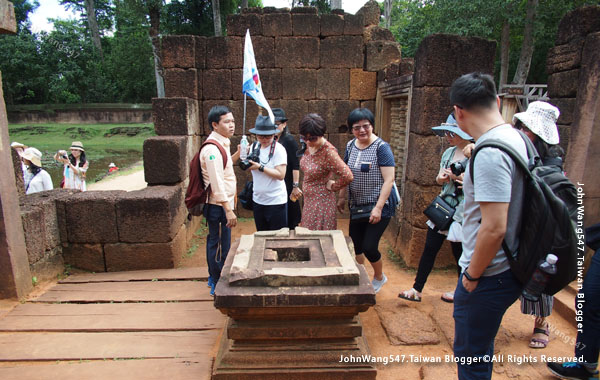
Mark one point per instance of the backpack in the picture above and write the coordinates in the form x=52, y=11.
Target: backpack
x=197, y=193
x=546, y=224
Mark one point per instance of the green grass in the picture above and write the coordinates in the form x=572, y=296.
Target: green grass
x=103, y=143
x=95, y=137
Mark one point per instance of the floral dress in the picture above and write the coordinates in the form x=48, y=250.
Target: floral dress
x=319, y=209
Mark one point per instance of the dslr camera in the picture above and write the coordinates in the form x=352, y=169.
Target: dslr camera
x=253, y=156
x=459, y=167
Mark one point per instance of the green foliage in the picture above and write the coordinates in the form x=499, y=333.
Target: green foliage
x=22, y=10
x=413, y=20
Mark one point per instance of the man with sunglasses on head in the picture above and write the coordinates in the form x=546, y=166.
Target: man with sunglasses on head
x=492, y=213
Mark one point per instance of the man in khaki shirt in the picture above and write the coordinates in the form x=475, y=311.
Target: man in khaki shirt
x=221, y=203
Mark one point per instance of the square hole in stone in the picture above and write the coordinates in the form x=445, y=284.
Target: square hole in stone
x=287, y=254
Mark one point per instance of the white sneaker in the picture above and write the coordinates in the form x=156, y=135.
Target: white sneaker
x=377, y=284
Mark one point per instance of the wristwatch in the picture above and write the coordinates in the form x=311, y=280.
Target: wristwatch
x=296, y=184
x=261, y=168
x=468, y=276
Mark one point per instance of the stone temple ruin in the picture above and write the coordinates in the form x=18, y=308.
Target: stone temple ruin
x=329, y=64
x=283, y=321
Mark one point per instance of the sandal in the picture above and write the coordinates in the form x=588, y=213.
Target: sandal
x=410, y=295
x=543, y=343
x=448, y=297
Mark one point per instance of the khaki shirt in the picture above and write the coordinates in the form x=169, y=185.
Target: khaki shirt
x=222, y=181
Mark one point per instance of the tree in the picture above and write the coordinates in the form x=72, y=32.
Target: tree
x=216, y=9
x=527, y=47
x=98, y=15
x=22, y=10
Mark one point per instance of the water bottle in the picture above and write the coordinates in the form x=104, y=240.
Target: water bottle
x=244, y=148
x=537, y=283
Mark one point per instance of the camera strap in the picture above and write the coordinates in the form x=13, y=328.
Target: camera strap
x=271, y=152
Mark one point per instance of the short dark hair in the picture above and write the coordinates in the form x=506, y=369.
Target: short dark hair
x=215, y=113
x=473, y=91
x=359, y=114
x=312, y=124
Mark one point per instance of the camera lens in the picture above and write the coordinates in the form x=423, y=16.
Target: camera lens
x=459, y=167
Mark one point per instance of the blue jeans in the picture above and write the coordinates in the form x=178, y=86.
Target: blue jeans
x=477, y=317
x=218, y=240
x=589, y=345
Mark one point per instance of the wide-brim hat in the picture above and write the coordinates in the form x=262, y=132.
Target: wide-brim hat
x=77, y=145
x=33, y=155
x=451, y=126
x=279, y=115
x=16, y=144
x=264, y=126
x=112, y=165
x=540, y=118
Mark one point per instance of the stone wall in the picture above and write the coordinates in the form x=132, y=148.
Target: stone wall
x=307, y=63
x=109, y=113
x=574, y=87
x=439, y=60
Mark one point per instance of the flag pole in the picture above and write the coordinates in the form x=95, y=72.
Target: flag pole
x=244, y=125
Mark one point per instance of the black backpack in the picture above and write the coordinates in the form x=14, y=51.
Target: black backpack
x=546, y=224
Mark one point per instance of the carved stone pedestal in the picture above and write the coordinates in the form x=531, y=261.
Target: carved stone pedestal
x=293, y=300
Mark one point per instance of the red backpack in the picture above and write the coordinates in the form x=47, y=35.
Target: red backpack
x=196, y=195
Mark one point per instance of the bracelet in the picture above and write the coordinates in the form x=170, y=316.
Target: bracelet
x=261, y=168
x=468, y=276
x=296, y=184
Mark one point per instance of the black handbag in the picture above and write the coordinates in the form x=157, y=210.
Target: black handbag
x=245, y=196
x=440, y=213
x=361, y=212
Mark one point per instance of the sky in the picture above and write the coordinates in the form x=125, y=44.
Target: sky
x=51, y=9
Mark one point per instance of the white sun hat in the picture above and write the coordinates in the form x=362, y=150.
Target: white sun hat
x=540, y=118
x=33, y=155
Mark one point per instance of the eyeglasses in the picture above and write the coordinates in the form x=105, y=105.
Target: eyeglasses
x=310, y=138
x=264, y=136
x=450, y=134
x=359, y=127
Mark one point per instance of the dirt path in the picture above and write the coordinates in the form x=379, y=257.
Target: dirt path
x=128, y=182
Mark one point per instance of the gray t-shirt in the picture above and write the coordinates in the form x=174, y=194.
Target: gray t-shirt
x=497, y=179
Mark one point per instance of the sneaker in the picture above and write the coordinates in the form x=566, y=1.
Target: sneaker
x=212, y=289
x=210, y=282
x=571, y=370
x=377, y=284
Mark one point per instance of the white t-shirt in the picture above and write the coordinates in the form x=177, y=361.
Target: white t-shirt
x=268, y=191
x=40, y=182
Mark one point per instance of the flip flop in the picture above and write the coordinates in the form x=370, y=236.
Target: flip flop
x=448, y=297
x=543, y=342
x=410, y=295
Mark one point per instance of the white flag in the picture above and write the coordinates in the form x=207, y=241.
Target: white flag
x=251, y=81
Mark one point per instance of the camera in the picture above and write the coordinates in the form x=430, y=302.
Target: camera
x=459, y=167
x=63, y=154
x=253, y=156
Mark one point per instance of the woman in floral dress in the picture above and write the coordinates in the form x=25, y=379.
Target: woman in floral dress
x=320, y=164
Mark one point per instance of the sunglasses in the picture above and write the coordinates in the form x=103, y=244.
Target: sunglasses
x=264, y=136
x=310, y=138
x=450, y=134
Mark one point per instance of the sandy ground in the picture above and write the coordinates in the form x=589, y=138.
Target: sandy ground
x=128, y=182
x=515, y=359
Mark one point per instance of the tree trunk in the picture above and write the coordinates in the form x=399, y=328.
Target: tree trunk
x=527, y=47
x=217, y=17
x=244, y=4
x=504, y=50
x=93, y=24
x=336, y=4
x=154, y=13
x=387, y=11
